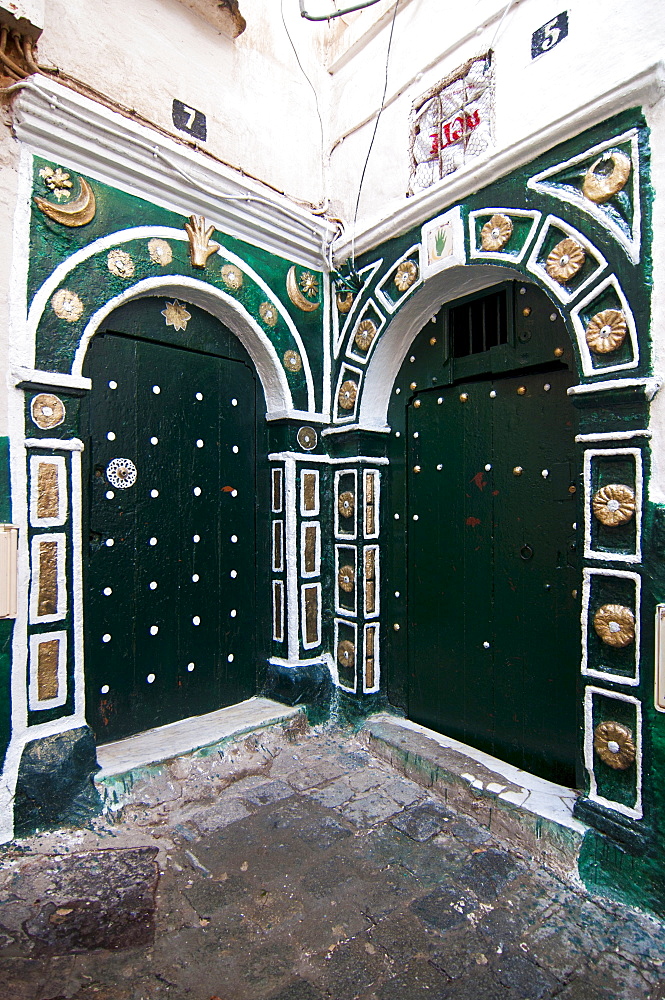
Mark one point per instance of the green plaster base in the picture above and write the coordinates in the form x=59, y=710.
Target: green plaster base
x=611, y=870
x=55, y=782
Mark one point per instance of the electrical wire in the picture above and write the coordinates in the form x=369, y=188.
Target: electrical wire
x=376, y=126
x=338, y=13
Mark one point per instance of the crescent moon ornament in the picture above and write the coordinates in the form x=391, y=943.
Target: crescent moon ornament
x=296, y=296
x=79, y=212
x=600, y=187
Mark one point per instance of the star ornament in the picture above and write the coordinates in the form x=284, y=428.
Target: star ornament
x=176, y=315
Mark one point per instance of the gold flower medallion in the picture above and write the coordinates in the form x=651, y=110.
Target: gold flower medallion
x=615, y=624
x=346, y=653
x=232, y=277
x=160, y=252
x=346, y=504
x=348, y=391
x=346, y=578
x=606, y=331
x=292, y=361
x=365, y=335
x=120, y=264
x=565, y=260
x=614, y=744
x=268, y=313
x=47, y=410
x=495, y=234
x=405, y=275
x=67, y=305
x=614, y=504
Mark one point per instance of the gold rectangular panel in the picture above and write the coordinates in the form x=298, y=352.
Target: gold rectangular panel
x=309, y=497
x=276, y=490
x=309, y=562
x=370, y=521
x=370, y=637
x=278, y=611
x=47, y=594
x=370, y=564
x=48, y=491
x=369, y=488
x=370, y=597
x=47, y=669
x=277, y=546
x=311, y=615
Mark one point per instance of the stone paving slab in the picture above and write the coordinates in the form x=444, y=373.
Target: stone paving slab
x=294, y=865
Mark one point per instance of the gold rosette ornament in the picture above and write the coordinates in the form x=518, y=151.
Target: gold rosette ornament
x=365, y=334
x=348, y=392
x=346, y=504
x=67, y=305
x=346, y=653
x=232, y=277
x=614, y=504
x=606, y=331
x=120, y=263
x=565, y=260
x=346, y=578
x=495, y=234
x=268, y=313
x=292, y=361
x=615, y=624
x=405, y=275
x=47, y=410
x=600, y=185
x=614, y=744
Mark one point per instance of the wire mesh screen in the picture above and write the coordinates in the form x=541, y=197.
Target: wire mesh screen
x=451, y=124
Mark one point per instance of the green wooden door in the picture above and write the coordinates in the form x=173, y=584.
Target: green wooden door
x=170, y=583
x=493, y=610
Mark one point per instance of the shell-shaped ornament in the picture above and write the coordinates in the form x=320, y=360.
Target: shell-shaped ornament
x=405, y=275
x=565, y=260
x=615, y=625
x=348, y=392
x=606, y=176
x=606, y=331
x=614, y=744
x=346, y=504
x=495, y=234
x=365, y=334
x=614, y=504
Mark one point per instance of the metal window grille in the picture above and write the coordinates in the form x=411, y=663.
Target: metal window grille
x=478, y=325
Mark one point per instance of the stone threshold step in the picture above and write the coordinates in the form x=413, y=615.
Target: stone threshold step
x=158, y=745
x=534, y=814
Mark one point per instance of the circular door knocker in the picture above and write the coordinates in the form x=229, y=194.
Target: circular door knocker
x=526, y=553
x=121, y=473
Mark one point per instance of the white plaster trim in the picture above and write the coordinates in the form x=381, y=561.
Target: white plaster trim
x=370, y=309
x=290, y=510
x=304, y=512
x=349, y=536
x=59, y=462
x=278, y=546
x=345, y=374
x=366, y=273
x=659, y=678
x=281, y=456
x=611, y=436
x=377, y=657
x=355, y=427
x=631, y=246
x=354, y=627
x=77, y=584
x=33, y=689
x=60, y=540
x=278, y=587
x=636, y=811
x=588, y=367
x=55, y=444
x=281, y=661
x=519, y=213
x=377, y=583
x=385, y=300
x=316, y=587
x=57, y=380
x=562, y=292
x=377, y=501
x=317, y=549
x=303, y=415
x=326, y=343
x=606, y=675
x=59, y=124
x=650, y=386
x=457, y=255
x=339, y=607
x=589, y=552
x=644, y=88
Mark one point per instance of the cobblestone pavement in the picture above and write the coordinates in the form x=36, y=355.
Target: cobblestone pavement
x=295, y=866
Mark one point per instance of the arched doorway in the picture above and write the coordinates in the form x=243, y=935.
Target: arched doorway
x=172, y=428
x=491, y=523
